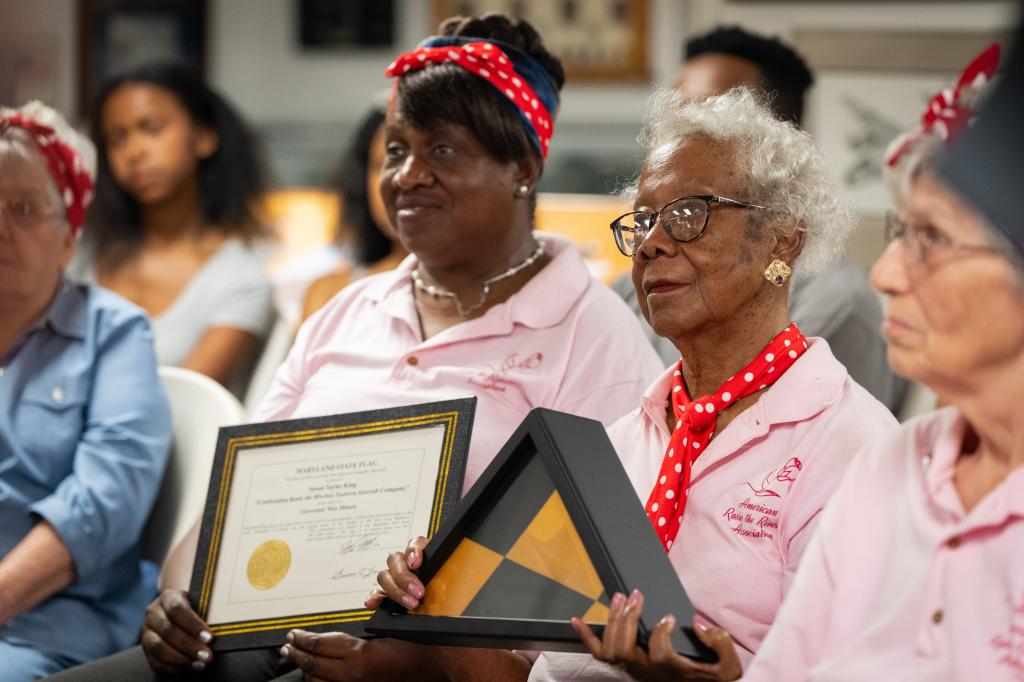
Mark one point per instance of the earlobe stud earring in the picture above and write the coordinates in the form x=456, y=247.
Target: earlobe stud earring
x=523, y=190
x=777, y=272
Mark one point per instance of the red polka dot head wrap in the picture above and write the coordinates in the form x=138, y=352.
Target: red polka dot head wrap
x=950, y=111
x=70, y=156
x=519, y=77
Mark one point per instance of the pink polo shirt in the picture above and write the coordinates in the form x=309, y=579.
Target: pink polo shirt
x=755, y=495
x=900, y=583
x=564, y=341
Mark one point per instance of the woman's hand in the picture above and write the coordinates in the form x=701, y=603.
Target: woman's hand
x=174, y=638
x=337, y=657
x=660, y=662
x=397, y=581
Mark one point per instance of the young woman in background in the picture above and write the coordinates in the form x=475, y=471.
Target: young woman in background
x=173, y=222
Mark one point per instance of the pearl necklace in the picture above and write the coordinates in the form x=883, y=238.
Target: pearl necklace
x=438, y=292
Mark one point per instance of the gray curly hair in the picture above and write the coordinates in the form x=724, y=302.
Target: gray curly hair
x=783, y=168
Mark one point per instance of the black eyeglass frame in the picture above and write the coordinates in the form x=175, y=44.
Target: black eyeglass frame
x=655, y=217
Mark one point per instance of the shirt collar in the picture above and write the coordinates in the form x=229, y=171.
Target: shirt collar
x=810, y=385
x=944, y=453
x=558, y=285
x=67, y=315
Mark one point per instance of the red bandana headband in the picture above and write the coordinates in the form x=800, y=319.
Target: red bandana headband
x=696, y=421
x=947, y=114
x=489, y=62
x=65, y=166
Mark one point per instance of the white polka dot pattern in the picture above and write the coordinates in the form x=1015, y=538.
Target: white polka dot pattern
x=63, y=163
x=696, y=422
x=490, y=63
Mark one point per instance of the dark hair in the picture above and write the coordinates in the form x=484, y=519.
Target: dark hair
x=451, y=94
x=230, y=181
x=786, y=75
x=371, y=243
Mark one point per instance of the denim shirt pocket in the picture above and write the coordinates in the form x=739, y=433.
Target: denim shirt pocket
x=50, y=420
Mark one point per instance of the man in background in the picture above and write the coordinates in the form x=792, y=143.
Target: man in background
x=836, y=304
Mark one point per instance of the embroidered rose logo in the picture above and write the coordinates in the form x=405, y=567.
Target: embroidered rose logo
x=787, y=473
x=493, y=378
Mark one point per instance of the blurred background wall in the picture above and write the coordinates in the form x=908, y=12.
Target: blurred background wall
x=877, y=62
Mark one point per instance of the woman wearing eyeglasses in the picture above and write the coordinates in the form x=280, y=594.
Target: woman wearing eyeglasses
x=733, y=450
x=917, y=571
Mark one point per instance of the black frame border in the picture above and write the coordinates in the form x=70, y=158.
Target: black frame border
x=611, y=523
x=457, y=418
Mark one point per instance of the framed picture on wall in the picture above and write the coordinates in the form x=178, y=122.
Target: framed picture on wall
x=361, y=24
x=597, y=40
x=118, y=35
x=871, y=86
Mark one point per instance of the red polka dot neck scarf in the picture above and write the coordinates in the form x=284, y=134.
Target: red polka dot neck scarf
x=696, y=421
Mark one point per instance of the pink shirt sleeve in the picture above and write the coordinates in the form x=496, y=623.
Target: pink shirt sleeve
x=796, y=636
x=798, y=633
x=819, y=481
x=610, y=365
x=284, y=392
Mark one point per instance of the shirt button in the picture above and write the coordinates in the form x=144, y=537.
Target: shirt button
x=58, y=395
x=953, y=543
x=937, y=617
x=412, y=360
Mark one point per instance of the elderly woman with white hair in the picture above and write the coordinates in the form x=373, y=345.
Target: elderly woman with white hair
x=735, y=448
x=917, y=570
x=84, y=423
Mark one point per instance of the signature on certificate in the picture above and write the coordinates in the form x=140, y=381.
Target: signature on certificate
x=358, y=544
x=363, y=573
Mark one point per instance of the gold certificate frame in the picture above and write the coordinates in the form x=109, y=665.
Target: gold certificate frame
x=301, y=514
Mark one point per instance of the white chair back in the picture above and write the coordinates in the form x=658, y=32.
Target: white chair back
x=199, y=407
x=275, y=350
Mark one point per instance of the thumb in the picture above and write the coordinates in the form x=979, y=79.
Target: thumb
x=719, y=641
x=659, y=644
x=414, y=552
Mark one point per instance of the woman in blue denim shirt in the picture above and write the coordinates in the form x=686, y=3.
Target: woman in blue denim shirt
x=84, y=423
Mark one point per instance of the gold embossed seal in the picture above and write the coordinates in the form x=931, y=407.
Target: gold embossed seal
x=269, y=564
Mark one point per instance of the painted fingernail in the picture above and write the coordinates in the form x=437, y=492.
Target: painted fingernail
x=198, y=665
x=669, y=620
x=203, y=656
x=409, y=602
x=634, y=598
x=206, y=637
x=410, y=556
x=290, y=637
x=617, y=600
x=285, y=650
x=701, y=624
x=415, y=590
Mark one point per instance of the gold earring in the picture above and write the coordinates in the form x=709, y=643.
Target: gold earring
x=777, y=272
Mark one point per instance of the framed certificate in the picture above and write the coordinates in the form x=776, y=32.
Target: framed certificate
x=301, y=514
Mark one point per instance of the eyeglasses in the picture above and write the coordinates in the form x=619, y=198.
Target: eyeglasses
x=683, y=219
x=25, y=213
x=923, y=243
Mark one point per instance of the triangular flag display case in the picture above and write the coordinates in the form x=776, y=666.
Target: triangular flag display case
x=550, y=531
